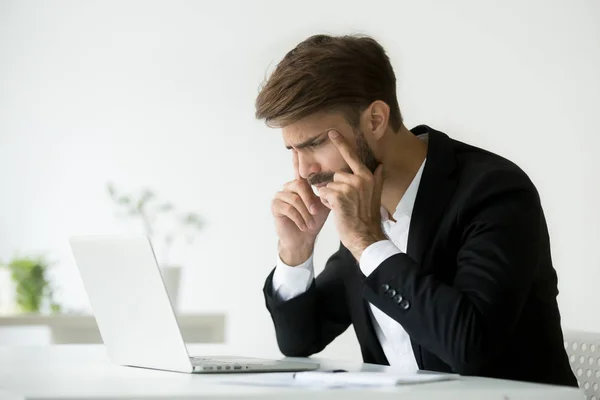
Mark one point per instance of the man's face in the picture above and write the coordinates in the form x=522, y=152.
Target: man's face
x=318, y=158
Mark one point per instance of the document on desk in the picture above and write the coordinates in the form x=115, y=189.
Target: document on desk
x=327, y=379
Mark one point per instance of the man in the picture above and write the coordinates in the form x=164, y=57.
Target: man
x=444, y=262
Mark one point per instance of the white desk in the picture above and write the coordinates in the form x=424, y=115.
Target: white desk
x=83, y=371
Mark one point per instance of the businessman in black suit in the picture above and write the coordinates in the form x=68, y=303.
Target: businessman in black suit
x=444, y=262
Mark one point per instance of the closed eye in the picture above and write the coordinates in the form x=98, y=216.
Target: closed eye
x=315, y=144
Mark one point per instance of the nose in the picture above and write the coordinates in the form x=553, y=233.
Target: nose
x=307, y=165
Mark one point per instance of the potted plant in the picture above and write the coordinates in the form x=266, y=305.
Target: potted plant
x=29, y=290
x=155, y=214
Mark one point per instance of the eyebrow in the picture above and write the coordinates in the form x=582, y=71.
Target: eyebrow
x=308, y=142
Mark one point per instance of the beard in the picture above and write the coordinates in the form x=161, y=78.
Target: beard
x=365, y=155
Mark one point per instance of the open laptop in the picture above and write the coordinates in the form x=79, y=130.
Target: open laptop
x=134, y=313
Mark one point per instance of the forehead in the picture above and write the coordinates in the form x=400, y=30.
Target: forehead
x=312, y=126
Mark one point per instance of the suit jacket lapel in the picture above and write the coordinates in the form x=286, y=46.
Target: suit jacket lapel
x=435, y=189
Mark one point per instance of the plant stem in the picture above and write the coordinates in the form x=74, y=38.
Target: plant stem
x=147, y=225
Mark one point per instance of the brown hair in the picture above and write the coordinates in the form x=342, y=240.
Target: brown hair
x=329, y=73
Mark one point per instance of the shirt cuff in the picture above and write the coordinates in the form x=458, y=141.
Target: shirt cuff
x=375, y=254
x=289, y=282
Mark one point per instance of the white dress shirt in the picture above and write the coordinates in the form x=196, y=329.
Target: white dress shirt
x=289, y=282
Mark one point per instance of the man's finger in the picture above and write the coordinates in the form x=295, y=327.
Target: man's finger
x=305, y=192
x=347, y=153
x=346, y=177
x=296, y=165
x=281, y=209
x=341, y=188
x=326, y=195
x=295, y=200
x=332, y=193
x=325, y=203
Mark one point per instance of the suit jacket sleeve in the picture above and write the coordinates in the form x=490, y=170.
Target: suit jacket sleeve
x=307, y=323
x=466, y=323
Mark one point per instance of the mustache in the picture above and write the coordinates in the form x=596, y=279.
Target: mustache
x=324, y=177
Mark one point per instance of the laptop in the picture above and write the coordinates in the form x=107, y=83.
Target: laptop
x=134, y=313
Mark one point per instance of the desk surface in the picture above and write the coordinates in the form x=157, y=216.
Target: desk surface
x=84, y=371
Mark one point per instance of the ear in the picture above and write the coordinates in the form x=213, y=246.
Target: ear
x=375, y=118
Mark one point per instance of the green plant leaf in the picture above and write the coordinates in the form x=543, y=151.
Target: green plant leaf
x=125, y=200
x=111, y=189
x=29, y=275
x=191, y=218
x=145, y=198
x=147, y=195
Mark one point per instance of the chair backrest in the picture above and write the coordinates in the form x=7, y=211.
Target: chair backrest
x=583, y=349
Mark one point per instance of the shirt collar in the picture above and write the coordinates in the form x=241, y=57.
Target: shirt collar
x=407, y=202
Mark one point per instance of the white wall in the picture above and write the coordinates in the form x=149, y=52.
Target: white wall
x=162, y=94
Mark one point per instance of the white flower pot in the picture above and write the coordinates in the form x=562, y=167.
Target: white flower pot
x=8, y=303
x=171, y=275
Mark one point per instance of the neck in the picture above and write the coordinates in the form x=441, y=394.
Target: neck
x=402, y=156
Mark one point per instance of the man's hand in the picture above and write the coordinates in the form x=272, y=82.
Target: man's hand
x=355, y=200
x=299, y=216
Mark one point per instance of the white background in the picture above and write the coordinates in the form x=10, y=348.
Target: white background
x=161, y=94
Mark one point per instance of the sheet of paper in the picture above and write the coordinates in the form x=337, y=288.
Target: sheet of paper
x=366, y=378
x=262, y=379
x=320, y=379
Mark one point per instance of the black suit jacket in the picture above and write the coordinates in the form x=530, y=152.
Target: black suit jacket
x=476, y=290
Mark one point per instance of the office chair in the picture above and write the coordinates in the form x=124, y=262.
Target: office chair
x=583, y=349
